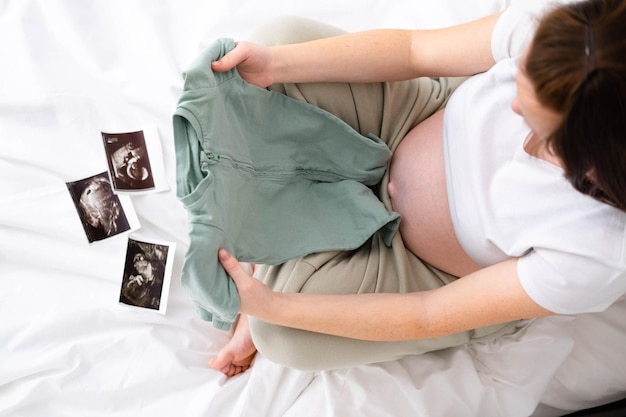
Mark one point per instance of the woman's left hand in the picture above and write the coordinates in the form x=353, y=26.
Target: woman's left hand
x=256, y=299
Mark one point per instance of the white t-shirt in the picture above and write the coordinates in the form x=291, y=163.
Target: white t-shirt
x=506, y=203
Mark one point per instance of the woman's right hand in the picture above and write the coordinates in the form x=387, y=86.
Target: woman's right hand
x=253, y=62
x=256, y=298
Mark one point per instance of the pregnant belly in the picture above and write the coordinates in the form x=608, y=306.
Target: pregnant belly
x=418, y=192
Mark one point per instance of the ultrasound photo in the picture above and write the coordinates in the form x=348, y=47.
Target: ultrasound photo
x=147, y=272
x=129, y=163
x=99, y=209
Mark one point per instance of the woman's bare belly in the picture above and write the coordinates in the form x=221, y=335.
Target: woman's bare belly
x=418, y=192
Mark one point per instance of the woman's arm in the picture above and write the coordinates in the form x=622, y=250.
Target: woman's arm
x=489, y=296
x=370, y=56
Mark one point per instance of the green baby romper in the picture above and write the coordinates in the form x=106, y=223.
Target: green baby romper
x=269, y=178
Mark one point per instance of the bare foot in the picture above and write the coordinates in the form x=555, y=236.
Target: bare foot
x=237, y=355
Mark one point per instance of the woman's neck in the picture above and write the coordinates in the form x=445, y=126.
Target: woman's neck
x=537, y=147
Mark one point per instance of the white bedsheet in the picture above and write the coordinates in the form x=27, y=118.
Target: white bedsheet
x=71, y=69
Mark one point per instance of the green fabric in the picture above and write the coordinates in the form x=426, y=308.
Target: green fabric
x=269, y=178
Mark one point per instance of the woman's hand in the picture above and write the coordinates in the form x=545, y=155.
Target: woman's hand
x=256, y=299
x=253, y=63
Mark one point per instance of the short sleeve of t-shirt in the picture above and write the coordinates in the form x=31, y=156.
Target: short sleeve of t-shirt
x=566, y=283
x=513, y=31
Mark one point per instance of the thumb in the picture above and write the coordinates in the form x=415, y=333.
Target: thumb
x=232, y=266
x=228, y=61
x=222, y=65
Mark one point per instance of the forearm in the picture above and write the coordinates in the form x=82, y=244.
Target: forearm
x=490, y=296
x=381, y=317
x=377, y=55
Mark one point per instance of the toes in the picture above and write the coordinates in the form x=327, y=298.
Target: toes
x=221, y=361
x=224, y=364
x=232, y=370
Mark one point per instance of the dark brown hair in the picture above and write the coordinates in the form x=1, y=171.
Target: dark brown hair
x=577, y=64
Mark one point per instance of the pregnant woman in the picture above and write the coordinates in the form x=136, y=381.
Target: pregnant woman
x=511, y=187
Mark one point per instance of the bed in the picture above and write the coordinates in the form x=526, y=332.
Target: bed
x=71, y=344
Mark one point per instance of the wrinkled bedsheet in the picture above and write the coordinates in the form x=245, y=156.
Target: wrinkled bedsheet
x=72, y=70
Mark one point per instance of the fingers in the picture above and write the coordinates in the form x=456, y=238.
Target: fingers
x=252, y=63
